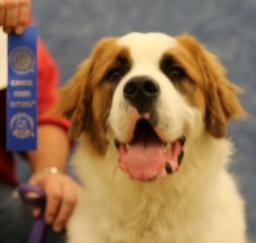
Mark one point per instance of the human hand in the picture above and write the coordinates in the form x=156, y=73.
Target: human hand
x=62, y=194
x=14, y=15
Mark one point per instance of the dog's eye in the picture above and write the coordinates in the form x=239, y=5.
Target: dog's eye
x=172, y=69
x=114, y=74
x=176, y=73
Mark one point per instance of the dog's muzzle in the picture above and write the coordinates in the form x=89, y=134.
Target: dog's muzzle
x=141, y=92
x=146, y=156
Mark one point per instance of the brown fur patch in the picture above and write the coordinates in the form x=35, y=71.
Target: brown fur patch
x=191, y=85
x=213, y=93
x=86, y=99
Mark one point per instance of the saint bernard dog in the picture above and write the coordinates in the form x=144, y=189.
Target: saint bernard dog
x=151, y=114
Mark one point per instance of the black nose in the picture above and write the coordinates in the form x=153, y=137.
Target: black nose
x=141, y=92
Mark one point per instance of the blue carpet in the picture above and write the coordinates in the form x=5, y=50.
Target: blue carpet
x=227, y=27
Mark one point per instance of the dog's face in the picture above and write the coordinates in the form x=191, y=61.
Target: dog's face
x=147, y=94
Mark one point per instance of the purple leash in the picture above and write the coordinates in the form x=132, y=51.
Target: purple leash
x=37, y=231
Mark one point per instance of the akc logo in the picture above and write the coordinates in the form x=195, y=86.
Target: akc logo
x=22, y=60
x=22, y=126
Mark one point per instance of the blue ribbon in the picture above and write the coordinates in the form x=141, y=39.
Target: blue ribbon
x=21, y=96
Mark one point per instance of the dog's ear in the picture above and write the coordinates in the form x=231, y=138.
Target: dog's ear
x=76, y=96
x=75, y=100
x=221, y=101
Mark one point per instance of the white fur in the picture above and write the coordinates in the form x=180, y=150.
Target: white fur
x=172, y=110
x=199, y=204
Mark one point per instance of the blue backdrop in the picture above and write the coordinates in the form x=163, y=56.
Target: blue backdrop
x=227, y=27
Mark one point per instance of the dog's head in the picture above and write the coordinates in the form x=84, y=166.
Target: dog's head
x=147, y=93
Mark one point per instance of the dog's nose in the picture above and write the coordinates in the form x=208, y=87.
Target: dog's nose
x=141, y=92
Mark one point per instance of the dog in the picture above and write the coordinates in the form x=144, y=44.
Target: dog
x=151, y=112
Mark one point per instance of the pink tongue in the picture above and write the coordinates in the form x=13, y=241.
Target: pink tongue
x=147, y=161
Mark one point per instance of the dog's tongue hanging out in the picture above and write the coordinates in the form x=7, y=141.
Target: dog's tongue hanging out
x=147, y=157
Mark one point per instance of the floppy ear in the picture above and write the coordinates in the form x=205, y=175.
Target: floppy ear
x=75, y=102
x=76, y=95
x=221, y=102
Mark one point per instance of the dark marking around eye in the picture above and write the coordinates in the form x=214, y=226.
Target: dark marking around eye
x=120, y=67
x=114, y=74
x=172, y=69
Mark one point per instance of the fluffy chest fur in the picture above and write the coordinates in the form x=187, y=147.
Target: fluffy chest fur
x=192, y=206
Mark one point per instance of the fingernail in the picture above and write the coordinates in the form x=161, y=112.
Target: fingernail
x=19, y=30
x=49, y=220
x=57, y=229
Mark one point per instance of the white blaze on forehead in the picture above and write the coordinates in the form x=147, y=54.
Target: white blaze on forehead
x=147, y=47
x=172, y=111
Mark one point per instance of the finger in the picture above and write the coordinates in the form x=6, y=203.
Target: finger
x=2, y=12
x=35, y=211
x=53, y=192
x=69, y=201
x=24, y=13
x=11, y=13
x=23, y=16
x=20, y=29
